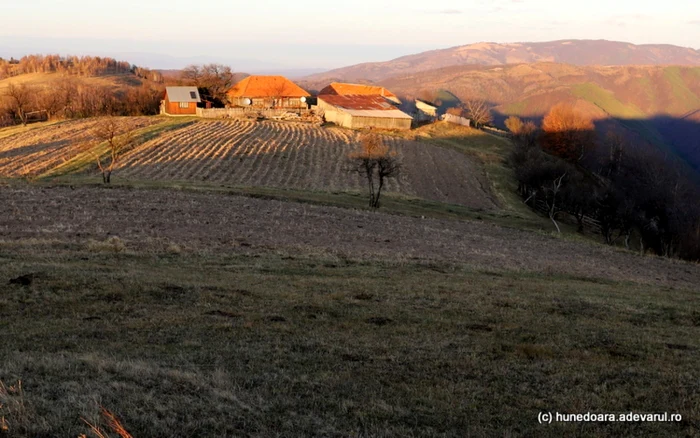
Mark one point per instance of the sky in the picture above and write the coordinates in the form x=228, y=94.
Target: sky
x=314, y=34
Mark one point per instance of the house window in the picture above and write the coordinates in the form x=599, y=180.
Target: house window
x=184, y=105
x=193, y=95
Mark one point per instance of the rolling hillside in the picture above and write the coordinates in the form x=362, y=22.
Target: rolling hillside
x=575, y=52
x=42, y=80
x=657, y=104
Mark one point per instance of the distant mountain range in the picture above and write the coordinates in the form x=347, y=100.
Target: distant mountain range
x=575, y=52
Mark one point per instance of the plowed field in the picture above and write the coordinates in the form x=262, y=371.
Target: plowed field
x=36, y=151
x=300, y=156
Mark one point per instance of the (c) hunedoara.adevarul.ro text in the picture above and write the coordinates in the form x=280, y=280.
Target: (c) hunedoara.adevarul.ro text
x=631, y=417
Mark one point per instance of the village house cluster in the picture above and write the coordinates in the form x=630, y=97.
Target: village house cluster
x=348, y=105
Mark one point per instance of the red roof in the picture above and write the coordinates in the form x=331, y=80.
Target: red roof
x=355, y=102
x=341, y=89
x=267, y=86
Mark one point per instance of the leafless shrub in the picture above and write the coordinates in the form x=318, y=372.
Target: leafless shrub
x=376, y=162
x=108, y=131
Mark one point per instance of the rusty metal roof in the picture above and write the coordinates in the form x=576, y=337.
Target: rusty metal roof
x=364, y=106
x=358, y=102
x=342, y=89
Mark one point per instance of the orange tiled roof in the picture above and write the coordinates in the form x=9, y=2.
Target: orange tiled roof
x=267, y=86
x=340, y=89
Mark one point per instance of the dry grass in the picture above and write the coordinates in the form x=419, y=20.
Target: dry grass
x=316, y=345
x=155, y=220
x=111, y=244
x=112, y=423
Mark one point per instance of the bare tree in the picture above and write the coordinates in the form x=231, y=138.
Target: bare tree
x=108, y=131
x=479, y=111
x=552, y=197
x=217, y=79
x=192, y=74
x=377, y=163
x=20, y=98
x=213, y=80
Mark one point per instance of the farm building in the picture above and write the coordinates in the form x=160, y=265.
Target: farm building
x=268, y=92
x=425, y=111
x=363, y=112
x=180, y=101
x=457, y=120
x=340, y=89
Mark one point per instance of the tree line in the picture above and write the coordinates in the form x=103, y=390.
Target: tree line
x=73, y=65
x=69, y=94
x=212, y=80
x=70, y=97
x=637, y=195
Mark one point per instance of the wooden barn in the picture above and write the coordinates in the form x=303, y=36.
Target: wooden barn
x=341, y=89
x=357, y=112
x=180, y=101
x=268, y=92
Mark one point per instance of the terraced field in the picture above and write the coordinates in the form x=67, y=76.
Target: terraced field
x=300, y=156
x=35, y=151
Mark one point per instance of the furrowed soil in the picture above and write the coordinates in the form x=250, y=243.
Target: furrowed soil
x=300, y=156
x=202, y=314
x=35, y=151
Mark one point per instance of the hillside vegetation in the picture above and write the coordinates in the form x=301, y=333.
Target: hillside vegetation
x=52, y=87
x=652, y=104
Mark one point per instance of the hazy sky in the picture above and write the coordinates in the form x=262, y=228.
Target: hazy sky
x=325, y=34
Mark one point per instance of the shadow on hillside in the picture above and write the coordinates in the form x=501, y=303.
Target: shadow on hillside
x=673, y=134
x=34, y=148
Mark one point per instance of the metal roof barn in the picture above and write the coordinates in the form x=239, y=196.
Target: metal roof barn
x=357, y=112
x=341, y=89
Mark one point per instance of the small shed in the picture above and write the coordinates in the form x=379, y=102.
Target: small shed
x=425, y=111
x=268, y=92
x=342, y=89
x=357, y=111
x=181, y=101
x=457, y=120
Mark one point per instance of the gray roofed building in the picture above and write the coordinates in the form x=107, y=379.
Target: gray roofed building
x=183, y=94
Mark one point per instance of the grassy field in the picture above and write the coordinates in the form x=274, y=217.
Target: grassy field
x=184, y=343
x=203, y=308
